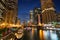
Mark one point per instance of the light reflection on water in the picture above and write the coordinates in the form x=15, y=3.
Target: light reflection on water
x=43, y=34
x=48, y=34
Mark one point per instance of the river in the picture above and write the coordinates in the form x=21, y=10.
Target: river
x=41, y=35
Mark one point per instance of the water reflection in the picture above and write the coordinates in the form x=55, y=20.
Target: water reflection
x=47, y=34
x=42, y=34
x=50, y=35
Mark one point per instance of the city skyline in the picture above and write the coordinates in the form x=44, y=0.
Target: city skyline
x=24, y=6
x=29, y=20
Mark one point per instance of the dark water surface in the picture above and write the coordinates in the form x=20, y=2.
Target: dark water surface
x=43, y=34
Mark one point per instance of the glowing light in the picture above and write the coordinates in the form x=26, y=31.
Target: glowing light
x=13, y=25
x=41, y=35
x=40, y=24
x=2, y=24
x=48, y=9
x=18, y=35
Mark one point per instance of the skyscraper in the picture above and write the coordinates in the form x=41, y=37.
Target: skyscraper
x=12, y=10
x=31, y=15
x=48, y=11
x=58, y=17
x=2, y=11
x=37, y=16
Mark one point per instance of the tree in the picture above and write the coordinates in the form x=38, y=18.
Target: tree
x=54, y=23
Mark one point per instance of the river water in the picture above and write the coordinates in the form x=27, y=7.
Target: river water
x=41, y=35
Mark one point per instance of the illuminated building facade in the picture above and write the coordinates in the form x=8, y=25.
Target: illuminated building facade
x=31, y=16
x=2, y=11
x=48, y=11
x=37, y=16
x=11, y=14
x=58, y=17
x=18, y=21
x=8, y=12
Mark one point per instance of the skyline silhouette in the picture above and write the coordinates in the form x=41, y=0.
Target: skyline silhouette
x=24, y=6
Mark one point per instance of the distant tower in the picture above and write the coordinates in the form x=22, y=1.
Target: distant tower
x=31, y=15
x=48, y=11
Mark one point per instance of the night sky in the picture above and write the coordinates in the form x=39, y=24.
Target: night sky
x=24, y=6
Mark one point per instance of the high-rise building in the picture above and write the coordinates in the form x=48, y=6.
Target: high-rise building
x=58, y=17
x=48, y=11
x=11, y=14
x=2, y=11
x=8, y=11
x=37, y=16
x=31, y=16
